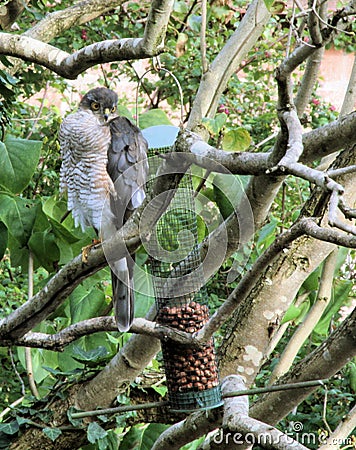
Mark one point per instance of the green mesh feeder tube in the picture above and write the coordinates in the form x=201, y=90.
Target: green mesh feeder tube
x=181, y=299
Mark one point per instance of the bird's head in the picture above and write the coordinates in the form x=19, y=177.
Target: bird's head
x=102, y=102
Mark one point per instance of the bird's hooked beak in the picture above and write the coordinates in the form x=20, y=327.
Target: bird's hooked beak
x=106, y=113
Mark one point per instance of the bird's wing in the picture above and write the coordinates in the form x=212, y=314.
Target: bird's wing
x=127, y=167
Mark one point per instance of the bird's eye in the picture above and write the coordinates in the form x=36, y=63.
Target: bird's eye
x=95, y=106
x=113, y=109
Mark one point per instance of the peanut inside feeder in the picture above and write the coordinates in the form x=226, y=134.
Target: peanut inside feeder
x=186, y=368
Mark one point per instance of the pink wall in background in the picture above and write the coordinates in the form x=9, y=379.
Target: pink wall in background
x=335, y=72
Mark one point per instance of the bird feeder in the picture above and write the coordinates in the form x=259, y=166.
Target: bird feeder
x=181, y=298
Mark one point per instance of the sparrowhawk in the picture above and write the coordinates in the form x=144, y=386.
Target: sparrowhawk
x=104, y=157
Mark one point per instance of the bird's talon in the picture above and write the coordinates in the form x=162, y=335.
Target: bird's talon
x=87, y=248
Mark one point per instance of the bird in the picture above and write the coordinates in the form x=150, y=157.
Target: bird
x=103, y=172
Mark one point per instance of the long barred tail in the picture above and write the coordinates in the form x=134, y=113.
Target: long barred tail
x=123, y=295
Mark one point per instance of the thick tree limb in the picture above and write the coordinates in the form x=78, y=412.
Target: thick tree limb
x=238, y=426
x=55, y=23
x=70, y=66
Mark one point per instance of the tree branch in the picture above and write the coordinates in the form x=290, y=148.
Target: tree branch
x=247, y=282
x=316, y=144
x=310, y=321
x=59, y=340
x=237, y=423
x=70, y=66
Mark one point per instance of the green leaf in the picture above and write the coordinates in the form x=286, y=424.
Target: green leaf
x=228, y=190
x=3, y=239
x=153, y=117
x=44, y=248
x=236, y=140
x=266, y=235
x=161, y=390
x=312, y=282
x=89, y=356
x=10, y=427
x=215, y=125
x=52, y=433
x=151, y=433
x=18, y=161
x=291, y=314
x=95, y=432
x=269, y=4
x=132, y=439
x=19, y=216
x=84, y=304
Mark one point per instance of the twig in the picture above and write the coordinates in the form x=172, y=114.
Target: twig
x=325, y=405
x=339, y=435
x=119, y=409
x=11, y=407
x=38, y=115
x=204, y=61
x=28, y=356
x=334, y=220
x=275, y=388
x=22, y=384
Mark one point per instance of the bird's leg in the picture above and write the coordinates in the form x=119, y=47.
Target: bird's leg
x=87, y=248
